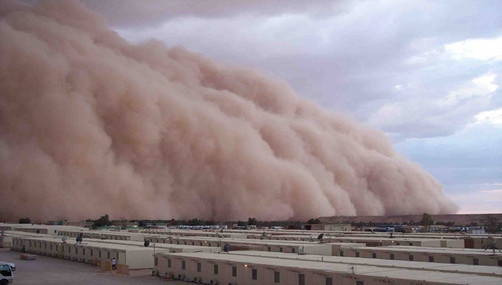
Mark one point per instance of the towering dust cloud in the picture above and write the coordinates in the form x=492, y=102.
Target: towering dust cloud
x=90, y=124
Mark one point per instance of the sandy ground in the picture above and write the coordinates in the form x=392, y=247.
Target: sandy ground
x=47, y=270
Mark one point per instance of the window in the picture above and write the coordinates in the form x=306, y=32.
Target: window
x=280, y=249
x=392, y=257
x=293, y=250
x=452, y=259
x=183, y=264
x=373, y=255
x=234, y=271
x=329, y=281
x=269, y=249
x=277, y=277
x=410, y=257
x=215, y=269
x=341, y=253
x=254, y=274
x=359, y=282
x=169, y=262
x=475, y=261
x=431, y=258
x=301, y=279
x=499, y=262
x=357, y=253
x=5, y=270
x=199, y=267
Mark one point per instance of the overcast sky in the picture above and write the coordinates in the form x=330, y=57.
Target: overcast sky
x=428, y=73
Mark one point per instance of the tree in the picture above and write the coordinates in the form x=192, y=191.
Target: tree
x=252, y=221
x=195, y=222
x=103, y=221
x=24, y=221
x=492, y=224
x=427, y=220
x=241, y=223
x=313, y=221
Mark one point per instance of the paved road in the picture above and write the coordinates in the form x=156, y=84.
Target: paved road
x=47, y=270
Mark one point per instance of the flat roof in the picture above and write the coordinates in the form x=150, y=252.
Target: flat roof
x=364, y=238
x=111, y=246
x=157, y=245
x=38, y=226
x=342, y=268
x=443, y=267
x=222, y=239
x=107, y=232
x=444, y=250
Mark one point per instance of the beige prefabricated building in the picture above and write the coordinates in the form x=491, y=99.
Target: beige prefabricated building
x=213, y=268
x=340, y=258
x=451, y=268
x=264, y=245
x=134, y=256
x=435, y=255
x=89, y=252
x=113, y=235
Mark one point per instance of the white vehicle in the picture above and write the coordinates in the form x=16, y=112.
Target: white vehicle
x=6, y=274
x=12, y=265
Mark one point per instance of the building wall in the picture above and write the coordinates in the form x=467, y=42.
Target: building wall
x=87, y=253
x=5, y=241
x=265, y=274
x=318, y=249
x=142, y=259
x=382, y=253
x=453, y=243
x=330, y=227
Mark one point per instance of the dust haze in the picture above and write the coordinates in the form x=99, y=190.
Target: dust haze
x=91, y=124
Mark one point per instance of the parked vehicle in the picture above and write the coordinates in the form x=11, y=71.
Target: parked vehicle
x=12, y=265
x=6, y=274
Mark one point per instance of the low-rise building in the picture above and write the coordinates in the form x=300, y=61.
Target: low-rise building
x=435, y=255
x=329, y=227
x=212, y=268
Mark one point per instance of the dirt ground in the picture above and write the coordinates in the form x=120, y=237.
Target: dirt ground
x=47, y=270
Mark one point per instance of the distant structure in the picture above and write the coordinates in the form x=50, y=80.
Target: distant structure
x=282, y=257
x=329, y=227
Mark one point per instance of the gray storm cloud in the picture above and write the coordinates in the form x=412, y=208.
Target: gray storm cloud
x=91, y=124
